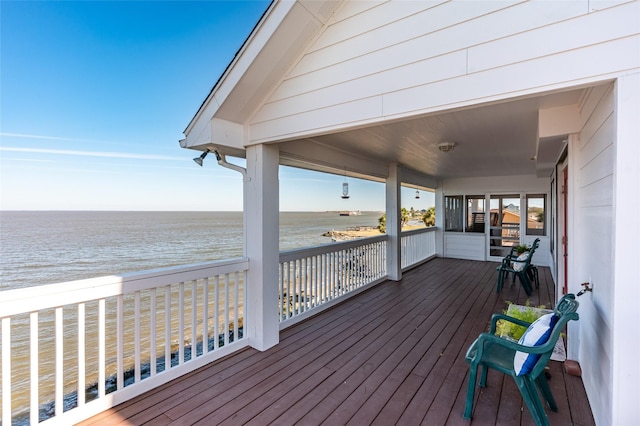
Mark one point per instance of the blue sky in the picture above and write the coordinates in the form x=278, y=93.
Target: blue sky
x=94, y=97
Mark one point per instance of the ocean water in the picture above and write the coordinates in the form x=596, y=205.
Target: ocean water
x=38, y=248
x=46, y=247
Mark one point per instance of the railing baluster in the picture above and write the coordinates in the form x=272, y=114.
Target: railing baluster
x=226, y=309
x=235, y=306
x=33, y=344
x=136, y=337
x=216, y=314
x=181, y=323
x=59, y=387
x=6, y=371
x=205, y=316
x=153, y=302
x=81, y=354
x=316, y=279
x=167, y=327
x=304, y=281
x=102, y=341
x=289, y=290
x=244, y=303
x=120, y=342
x=194, y=320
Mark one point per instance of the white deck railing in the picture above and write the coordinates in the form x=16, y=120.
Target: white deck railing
x=417, y=246
x=317, y=277
x=73, y=349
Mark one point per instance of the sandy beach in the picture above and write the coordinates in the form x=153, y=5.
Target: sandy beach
x=361, y=232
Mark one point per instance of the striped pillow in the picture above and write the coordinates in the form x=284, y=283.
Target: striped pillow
x=536, y=335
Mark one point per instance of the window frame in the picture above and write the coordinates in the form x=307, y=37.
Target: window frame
x=536, y=231
x=468, y=227
x=454, y=212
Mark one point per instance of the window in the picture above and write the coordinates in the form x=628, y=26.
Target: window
x=536, y=218
x=453, y=213
x=475, y=213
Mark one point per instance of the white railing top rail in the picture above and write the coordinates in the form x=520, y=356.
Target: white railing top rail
x=31, y=299
x=289, y=255
x=419, y=231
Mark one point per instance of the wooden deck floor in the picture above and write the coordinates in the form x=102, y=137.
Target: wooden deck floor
x=392, y=355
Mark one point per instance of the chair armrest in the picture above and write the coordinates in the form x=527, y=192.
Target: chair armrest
x=496, y=317
x=484, y=338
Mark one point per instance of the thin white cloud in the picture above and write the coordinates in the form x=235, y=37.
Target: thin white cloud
x=28, y=136
x=92, y=153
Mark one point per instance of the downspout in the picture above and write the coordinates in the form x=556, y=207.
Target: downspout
x=245, y=178
x=223, y=162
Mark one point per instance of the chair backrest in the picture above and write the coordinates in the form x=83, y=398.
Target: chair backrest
x=532, y=249
x=566, y=311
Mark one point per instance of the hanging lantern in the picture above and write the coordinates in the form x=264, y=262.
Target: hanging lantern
x=417, y=193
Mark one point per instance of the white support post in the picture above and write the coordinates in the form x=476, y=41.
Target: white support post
x=261, y=212
x=439, y=204
x=625, y=292
x=394, y=227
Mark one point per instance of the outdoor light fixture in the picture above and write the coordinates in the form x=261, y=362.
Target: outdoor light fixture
x=417, y=193
x=199, y=160
x=446, y=146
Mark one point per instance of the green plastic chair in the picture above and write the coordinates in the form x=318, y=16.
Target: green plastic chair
x=493, y=352
x=521, y=268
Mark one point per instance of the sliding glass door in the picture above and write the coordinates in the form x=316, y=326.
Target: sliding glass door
x=504, y=224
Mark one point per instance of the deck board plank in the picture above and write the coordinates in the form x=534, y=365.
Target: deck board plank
x=392, y=355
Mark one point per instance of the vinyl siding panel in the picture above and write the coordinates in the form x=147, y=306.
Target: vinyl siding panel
x=611, y=24
x=515, y=79
x=333, y=95
x=593, y=245
x=625, y=269
x=464, y=246
x=396, y=28
x=421, y=57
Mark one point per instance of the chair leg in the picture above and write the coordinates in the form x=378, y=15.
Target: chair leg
x=532, y=274
x=500, y=280
x=483, y=377
x=522, y=275
x=468, y=407
x=530, y=396
x=546, y=392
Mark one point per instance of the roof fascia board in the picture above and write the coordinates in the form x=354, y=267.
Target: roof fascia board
x=259, y=37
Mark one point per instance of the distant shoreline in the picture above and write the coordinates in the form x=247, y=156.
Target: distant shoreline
x=367, y=231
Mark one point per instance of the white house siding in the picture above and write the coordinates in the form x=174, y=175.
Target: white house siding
x=591, y=248
x=377, y=61
x=626, y=315
x=459, y=245
x=605, y=166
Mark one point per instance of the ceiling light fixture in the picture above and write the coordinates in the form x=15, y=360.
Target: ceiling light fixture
x=446, y=146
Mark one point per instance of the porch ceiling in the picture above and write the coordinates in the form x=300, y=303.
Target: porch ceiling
x=497, y=139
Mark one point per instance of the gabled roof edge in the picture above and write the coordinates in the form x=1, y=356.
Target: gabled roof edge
x=230, y=65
